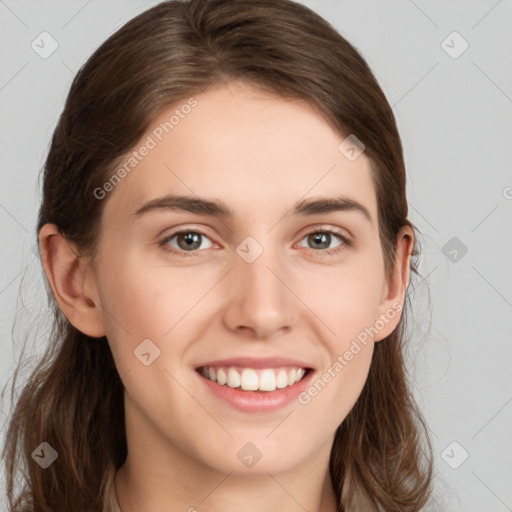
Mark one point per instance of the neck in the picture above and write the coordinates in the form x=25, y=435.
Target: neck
x=227, y=493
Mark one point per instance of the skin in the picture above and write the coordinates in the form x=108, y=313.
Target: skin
x=259, y=154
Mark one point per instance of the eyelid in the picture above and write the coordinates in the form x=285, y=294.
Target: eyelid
x=199, y=228
x=344, y=234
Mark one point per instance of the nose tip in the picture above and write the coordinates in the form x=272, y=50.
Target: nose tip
x=259, y=301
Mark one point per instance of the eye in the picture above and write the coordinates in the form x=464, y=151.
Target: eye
x=322, y=239
x=186, y=241
x=189, y=242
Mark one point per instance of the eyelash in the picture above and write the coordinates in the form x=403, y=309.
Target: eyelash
x=188, y=254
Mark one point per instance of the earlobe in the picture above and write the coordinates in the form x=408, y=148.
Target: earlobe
x=392, y=302
x=71, y=281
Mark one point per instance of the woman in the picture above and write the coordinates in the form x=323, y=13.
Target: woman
x=224, y=230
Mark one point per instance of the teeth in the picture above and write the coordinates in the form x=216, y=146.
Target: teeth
x=221, y=376
x=267, y=381
x=249, y=379
x=282, y=379
x=233, y=378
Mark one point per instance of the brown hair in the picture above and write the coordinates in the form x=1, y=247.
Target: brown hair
x=74, y=397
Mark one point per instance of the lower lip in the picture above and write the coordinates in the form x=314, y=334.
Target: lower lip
x=257, y=401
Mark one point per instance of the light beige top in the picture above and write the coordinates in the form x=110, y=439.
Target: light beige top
x=361, y=505
x=113, y=504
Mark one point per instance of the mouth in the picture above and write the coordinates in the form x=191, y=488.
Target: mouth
x=254, y=379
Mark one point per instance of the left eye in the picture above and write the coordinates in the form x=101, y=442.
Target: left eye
x=322, y=240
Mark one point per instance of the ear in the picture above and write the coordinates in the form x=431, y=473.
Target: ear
x=72, y=281
x=393, y=293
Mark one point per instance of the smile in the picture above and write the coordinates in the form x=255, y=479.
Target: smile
x=253, y=379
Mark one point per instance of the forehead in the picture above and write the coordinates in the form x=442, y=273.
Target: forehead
x=255, y=151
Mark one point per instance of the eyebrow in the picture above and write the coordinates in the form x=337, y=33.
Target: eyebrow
x=216, y=208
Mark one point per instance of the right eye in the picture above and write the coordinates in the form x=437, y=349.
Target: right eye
x=185, y=241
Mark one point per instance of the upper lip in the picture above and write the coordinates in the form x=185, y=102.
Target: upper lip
x=252, y=362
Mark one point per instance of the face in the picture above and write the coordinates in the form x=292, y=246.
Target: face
x=242, y=246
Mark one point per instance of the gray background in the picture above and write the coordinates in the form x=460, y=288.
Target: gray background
x=454, y=111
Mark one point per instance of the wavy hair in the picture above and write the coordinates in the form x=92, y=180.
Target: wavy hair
x=73, y=399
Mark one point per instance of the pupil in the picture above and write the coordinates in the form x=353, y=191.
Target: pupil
x=322, y=239
x=191, y=240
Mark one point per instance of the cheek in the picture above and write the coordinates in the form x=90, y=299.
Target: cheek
x=141, y=302
x=346, y=299
x=347, y=302
x=144, y=297
x=333, y=392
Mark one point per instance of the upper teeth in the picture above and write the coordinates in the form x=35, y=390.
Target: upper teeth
x=250, y=379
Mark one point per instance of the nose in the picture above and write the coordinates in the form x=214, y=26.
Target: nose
x=261, y=303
